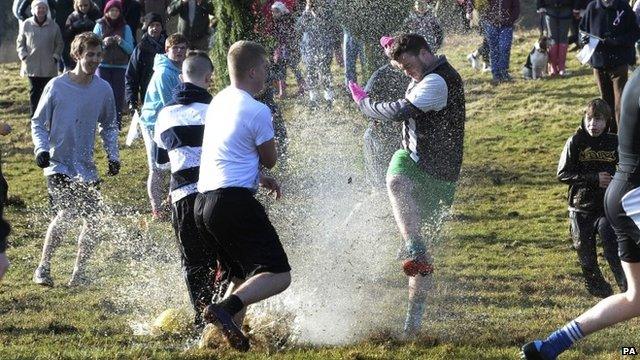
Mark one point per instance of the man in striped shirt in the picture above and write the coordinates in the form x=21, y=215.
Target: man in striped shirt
x=178, y=135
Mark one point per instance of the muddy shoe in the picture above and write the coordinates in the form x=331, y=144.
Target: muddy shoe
x=417, y=266
x=42, y=276
x=530, y=352
x=221, y=319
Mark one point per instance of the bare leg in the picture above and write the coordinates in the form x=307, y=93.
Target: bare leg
x=262, y=286
x=55, y=233
x=615, y=308
x=86, y=244
x=405, y=209
x=419, y=287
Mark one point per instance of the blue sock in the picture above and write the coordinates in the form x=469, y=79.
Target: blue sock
x=560, y=340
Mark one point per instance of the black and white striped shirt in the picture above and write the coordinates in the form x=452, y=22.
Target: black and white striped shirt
x=179, y=130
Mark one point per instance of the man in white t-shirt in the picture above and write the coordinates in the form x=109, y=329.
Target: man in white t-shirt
x=238, y=139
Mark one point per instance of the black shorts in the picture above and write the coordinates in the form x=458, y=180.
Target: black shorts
x=625, y=228
x=193, y=249
x=238, y=224
x=78, y=198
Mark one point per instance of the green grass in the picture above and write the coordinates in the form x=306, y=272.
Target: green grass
x=506, y=272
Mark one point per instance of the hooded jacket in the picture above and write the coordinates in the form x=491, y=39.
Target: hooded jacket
x=617, y=26
x=140, y=68
x=581, y=160
x=164, y=80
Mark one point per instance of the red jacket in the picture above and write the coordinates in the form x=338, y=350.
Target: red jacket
x=498, y=12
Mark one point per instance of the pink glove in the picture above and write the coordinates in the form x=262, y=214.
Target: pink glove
x=357, y=93
x=386, y=41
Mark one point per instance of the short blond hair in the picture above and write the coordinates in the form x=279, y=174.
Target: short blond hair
x=76, y=4
x=83, y=41
x=243, y=56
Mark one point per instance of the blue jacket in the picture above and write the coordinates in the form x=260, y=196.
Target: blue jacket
x=164, y=80
x=617, y=26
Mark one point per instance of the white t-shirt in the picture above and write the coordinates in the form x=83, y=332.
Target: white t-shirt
x=235, y=125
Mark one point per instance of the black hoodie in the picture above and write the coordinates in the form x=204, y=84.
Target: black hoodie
x=140, y=68
x=617, y=26
x=582, y=159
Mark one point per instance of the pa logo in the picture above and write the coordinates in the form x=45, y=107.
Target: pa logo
x=629, y=350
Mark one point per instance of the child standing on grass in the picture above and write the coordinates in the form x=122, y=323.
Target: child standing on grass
x=587, y=165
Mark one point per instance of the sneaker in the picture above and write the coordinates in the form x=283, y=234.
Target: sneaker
x=473, y=60
x=78, y=278
x=486, y=68
x=42, y=276
x=418, y=265
x=221, y=319
x=530, y=352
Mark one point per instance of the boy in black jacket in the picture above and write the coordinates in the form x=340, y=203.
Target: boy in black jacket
x=587, y=164
x=140, y=66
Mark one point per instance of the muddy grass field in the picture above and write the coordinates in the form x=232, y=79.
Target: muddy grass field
x=506, y=270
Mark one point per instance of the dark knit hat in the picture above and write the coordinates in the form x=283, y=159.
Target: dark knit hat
x=152, y=17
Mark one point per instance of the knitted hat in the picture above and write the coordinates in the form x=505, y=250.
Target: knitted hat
x=280, y=6
x=112, y=3
x=386, y=41
x=152, y=17
x=35, y=3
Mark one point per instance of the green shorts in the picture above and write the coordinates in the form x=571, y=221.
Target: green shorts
x=434, y=196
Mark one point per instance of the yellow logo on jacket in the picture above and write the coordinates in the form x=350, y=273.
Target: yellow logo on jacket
x=592, y=155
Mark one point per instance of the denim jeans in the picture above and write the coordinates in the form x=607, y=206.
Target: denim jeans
x=352, y=49
x=500, y=39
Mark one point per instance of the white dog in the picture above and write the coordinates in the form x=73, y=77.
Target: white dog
x=536, y=65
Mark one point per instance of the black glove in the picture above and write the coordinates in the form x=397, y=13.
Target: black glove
x=132, y=108
x=42, y=159
x=610, y=42
x=114, y=168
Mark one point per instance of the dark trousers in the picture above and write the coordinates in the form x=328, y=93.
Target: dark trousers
x=115, y=78
x=611, y=83
x=4, y=225
x=574, y=37
x=35, y=91
x=197, y=257
x=584, y=227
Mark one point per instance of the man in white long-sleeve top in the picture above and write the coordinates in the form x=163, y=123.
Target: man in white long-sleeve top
x=63, y=128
